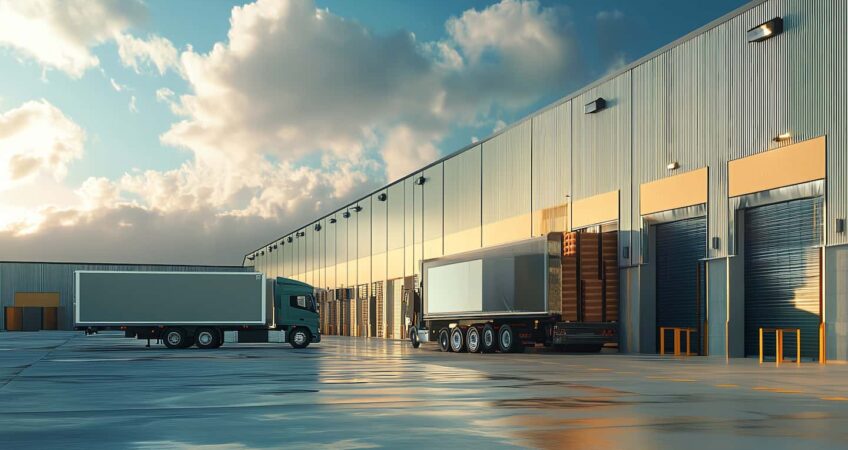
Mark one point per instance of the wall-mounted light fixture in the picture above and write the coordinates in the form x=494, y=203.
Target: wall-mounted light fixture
x=716, y=243
x=782, y=137
x=766, y=30
x=673, y=165
x=251, y=257
x=301, y=233
x=290, y=239
x=262, y=252
x=346, y=214
x=332, y=220
x=382, y=196
x=840, y=225
x=595, y=105
x=275, y=246
x=270, y=248
x=357, y=208
x=317, y=227
x=420, y=180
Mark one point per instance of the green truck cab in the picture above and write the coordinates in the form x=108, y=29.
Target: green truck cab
x=296, y=312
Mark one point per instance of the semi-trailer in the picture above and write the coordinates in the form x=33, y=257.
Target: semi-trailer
x=203, y=309
x=559, y=290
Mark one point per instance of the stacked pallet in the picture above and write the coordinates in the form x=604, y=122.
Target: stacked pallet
x=609, y=250
x=570, y=279
x=592, y=285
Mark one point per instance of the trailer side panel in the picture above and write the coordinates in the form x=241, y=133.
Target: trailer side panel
x=124, y=298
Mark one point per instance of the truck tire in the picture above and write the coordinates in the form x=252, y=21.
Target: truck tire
x=507, y=340
x=488, y=339
x=457, y=340
x=414, y=338
x=175, y=337
x=444, y=340
x=207, y=338
x=472, y=340
x=300, y=337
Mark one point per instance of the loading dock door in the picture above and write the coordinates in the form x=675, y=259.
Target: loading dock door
x=782, y=274
x=680, y=287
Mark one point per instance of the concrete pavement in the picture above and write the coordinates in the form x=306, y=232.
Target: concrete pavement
x=64, y=389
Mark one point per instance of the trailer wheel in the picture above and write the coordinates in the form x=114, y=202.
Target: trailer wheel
x=488, y=339
x=207, y=338
x=457, y=340
x=472, y=340
x=175, y=337
x=414, y=338
x=300, y=338
x=507, y=341
x=444, y=340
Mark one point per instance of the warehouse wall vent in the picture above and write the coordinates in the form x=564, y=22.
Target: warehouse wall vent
x=595, y=105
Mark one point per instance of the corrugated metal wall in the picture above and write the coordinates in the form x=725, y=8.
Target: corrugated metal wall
x=506, y=186
x=462, y=205
x=707, y=99
x=551, y=159
x=59, y=277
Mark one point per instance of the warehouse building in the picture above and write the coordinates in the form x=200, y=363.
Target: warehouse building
x=40, y=295
x=719, y=164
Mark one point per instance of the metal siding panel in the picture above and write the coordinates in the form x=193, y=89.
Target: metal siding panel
x=433, y=225
x=363, y=221
x=462, y=193
x=837, y=139
x=378, y=226
x=352, y=241
x=506, y=179
x=408, y=231
x=551, y=161
x=395, y=213
x=332, y=280
x=417, y=225
x=782, y=273
x=551, y=156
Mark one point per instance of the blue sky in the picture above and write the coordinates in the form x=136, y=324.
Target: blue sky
x=302, y=111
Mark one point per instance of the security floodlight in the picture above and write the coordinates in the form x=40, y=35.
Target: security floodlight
x=766, y=30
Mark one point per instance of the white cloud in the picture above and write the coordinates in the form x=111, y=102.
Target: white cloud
x=293, y=80
x=37, y=138
x=405, y=150
x=499, y=125
x=154, y=51
x=164, y=95
x=291, y=83
x=116, y=86
x=59, y=34
x=132, y=106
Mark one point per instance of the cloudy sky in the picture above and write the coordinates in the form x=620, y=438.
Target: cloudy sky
x=195, y=131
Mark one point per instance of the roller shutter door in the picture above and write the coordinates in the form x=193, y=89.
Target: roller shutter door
x=782, y=274
x=680, y=287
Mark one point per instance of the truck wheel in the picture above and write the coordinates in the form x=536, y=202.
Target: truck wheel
x=207, y=338
x=507, y=341
x=444, y=340
x=414, y=338
x=457, y=340
x=488, y=339
x=472, y=340
x=175, y=338
x=300, y=338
